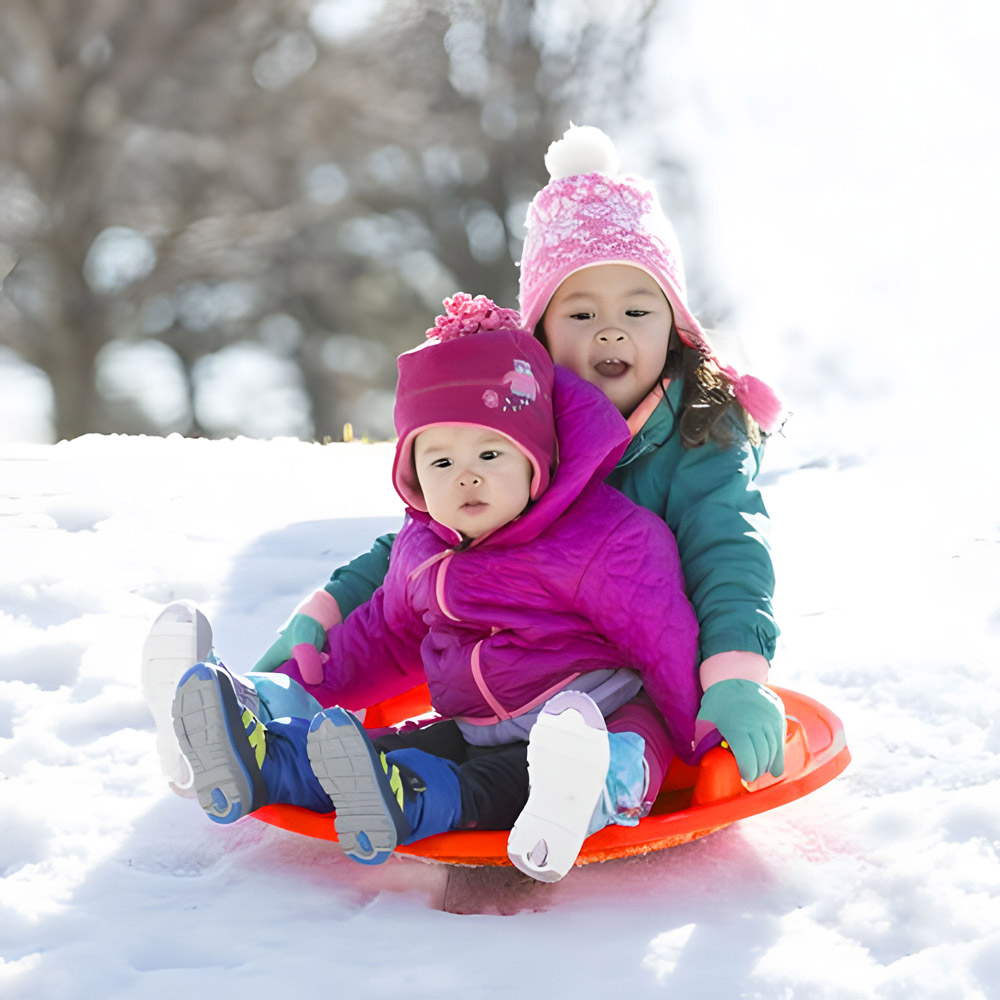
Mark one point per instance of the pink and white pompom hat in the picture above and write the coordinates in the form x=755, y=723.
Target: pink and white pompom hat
x=589, y=214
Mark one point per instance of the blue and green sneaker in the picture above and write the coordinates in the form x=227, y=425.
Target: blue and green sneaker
x=370, y=792
x=222, y=740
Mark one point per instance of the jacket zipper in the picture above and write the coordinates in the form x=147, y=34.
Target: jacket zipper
x=475, y=665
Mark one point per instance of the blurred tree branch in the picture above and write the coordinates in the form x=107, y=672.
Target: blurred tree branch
x=341, y=165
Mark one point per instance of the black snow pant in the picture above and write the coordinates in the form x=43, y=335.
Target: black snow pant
x=493, y=780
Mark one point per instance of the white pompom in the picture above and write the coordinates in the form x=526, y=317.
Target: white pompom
x=583, y=149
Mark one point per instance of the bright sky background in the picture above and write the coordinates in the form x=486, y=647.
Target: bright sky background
x=845, y=158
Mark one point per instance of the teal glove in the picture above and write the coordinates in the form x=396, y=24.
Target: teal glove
x=751, y=719
x=301, y=630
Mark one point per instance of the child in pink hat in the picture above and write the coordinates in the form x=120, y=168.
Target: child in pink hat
x=602, y=286
x=536, y=601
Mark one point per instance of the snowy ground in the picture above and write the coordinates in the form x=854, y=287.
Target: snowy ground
x=885, y=883
x=848, y=165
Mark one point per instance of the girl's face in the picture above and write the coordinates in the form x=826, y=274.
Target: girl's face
x=611, y=325
x=473, y=479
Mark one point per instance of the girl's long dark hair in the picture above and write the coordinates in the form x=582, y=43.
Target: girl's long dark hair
x=706, y=398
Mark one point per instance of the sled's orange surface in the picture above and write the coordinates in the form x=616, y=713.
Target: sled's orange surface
x=693, y=801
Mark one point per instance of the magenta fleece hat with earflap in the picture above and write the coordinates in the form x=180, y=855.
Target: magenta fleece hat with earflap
x=478, y=366
x=589, y=214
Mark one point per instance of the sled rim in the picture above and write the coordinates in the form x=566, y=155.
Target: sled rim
x=815, y=750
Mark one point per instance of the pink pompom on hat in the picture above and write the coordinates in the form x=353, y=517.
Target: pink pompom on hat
x=478, y=366
x=590, y=214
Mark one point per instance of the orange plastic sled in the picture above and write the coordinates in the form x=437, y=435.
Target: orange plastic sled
x=693, y=801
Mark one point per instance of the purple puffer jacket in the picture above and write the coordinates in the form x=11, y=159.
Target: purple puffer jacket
x=585, y=580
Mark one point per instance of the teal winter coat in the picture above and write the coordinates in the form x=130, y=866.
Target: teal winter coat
x=708, y=499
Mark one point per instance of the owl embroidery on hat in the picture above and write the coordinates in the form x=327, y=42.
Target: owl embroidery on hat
x=523, y=385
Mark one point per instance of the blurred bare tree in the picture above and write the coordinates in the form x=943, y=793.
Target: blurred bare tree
x=229, y=216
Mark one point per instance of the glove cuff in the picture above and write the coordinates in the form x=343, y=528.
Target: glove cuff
x=737, y=664
x=321, y=606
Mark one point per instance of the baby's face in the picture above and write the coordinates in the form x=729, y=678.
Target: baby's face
x=611, y=325
x=473, y=479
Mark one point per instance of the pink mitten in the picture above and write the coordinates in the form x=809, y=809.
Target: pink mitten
x=310, y=662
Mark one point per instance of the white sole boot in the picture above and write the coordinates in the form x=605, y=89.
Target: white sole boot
x=568, y=758
x=179, y=638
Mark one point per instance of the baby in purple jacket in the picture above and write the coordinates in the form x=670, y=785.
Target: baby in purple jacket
x=545, y=610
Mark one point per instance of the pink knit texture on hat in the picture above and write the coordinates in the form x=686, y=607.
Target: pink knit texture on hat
x=464, y=315
x=593, y=217
x=477, y=367
x=576, y=222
